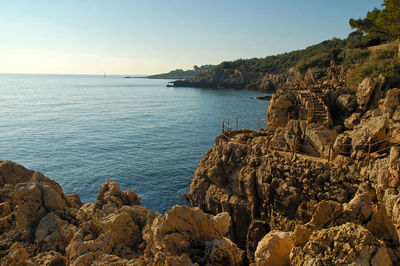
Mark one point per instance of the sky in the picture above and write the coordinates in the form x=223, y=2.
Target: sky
x=156, y=36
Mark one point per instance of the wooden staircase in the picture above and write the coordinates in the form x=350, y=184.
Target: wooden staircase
x=317, y=111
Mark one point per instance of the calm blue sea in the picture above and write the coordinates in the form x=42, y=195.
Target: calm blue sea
x=81, y=129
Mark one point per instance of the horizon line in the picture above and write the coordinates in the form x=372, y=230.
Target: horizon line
x=93, y=74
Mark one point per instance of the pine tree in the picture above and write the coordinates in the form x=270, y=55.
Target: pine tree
x=389, y=18
x=370, y=26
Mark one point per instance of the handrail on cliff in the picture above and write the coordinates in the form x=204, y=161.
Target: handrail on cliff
x=297, y=141
x=227, y=127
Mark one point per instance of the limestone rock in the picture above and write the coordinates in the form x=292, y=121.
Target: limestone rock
x=74, y=200
x=116, y=234
x=347, y=102
x=342, y=144
x=301, y=235
x=360, y=208
x=29, y=204
x=12, y=173
x=257, y=230
x=353, y=120
x=182, y=229
x=391, y=101
x=5, y=209
x=394, y=166
x=274, y=249
x=292, y=133
x=111, y=195
x=369, y=91
x=318, y=139
x=53, y=233
x=326, y=214
x=163, y=259
x=382, y=227
x=50, y=258
x=277, y=115
x=36, y=198
x=85, y=212
x=396, y=114
x=100, y=258
x=223, y=252
x=265, y=185
x=348, y=244
x=374, y=129
x=17, y=255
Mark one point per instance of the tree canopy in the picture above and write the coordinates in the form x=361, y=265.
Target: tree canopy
x=379, y=24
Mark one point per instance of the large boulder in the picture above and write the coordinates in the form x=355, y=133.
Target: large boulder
x=391, y=101
x=369, y=91
x=396, y=114
x=118, y=233
x=274, y=249
x=280, y=105
x=373, y=130
x=342, y=144
x=318, y=139
x=110, y=194
x=17, y=255
x=352, y=121
x=181, y=227
x=223, y=252
x=12, y=173
x=347, y=102
x=53, y=233
x=36, y=198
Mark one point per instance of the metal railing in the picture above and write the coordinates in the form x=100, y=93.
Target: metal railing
x=298, y=141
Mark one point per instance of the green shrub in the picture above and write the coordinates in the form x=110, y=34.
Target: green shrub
x=320, y=60
x=276, y=64
x=352, y=56
x=381, y=61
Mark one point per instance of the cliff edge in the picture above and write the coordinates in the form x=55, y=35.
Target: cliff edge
x=40, y=225
x=318, y=185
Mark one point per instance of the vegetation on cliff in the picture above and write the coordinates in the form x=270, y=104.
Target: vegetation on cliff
x=383, y=60
x=182, y=74
x=380, y=24
x=272, y=72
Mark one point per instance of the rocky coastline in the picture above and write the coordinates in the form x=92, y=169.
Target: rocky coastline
x=265, y=82
x=40, y=225
x=319, y=187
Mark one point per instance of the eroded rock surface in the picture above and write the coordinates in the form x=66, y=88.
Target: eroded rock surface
x=348, y=244
x=43, y=226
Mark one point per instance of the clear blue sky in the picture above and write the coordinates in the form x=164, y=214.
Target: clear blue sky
x=152, y=36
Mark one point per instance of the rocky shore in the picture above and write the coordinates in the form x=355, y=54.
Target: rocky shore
x=319, y=187
x=264, y=82
x=40, y=225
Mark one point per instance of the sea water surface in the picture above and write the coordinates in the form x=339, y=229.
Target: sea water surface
x=81, y=129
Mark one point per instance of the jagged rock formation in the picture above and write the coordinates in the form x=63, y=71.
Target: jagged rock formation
x=244, y=177
x=40, y=225
x=317, y=183
x=319, y=186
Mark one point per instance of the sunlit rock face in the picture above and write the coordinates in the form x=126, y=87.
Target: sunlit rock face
x=40, y=224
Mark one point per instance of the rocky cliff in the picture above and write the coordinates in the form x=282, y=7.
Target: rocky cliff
x=40, y=225
x=320, y=186
x=236, y=79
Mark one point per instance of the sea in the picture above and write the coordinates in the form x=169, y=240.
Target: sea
x=82, y=129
